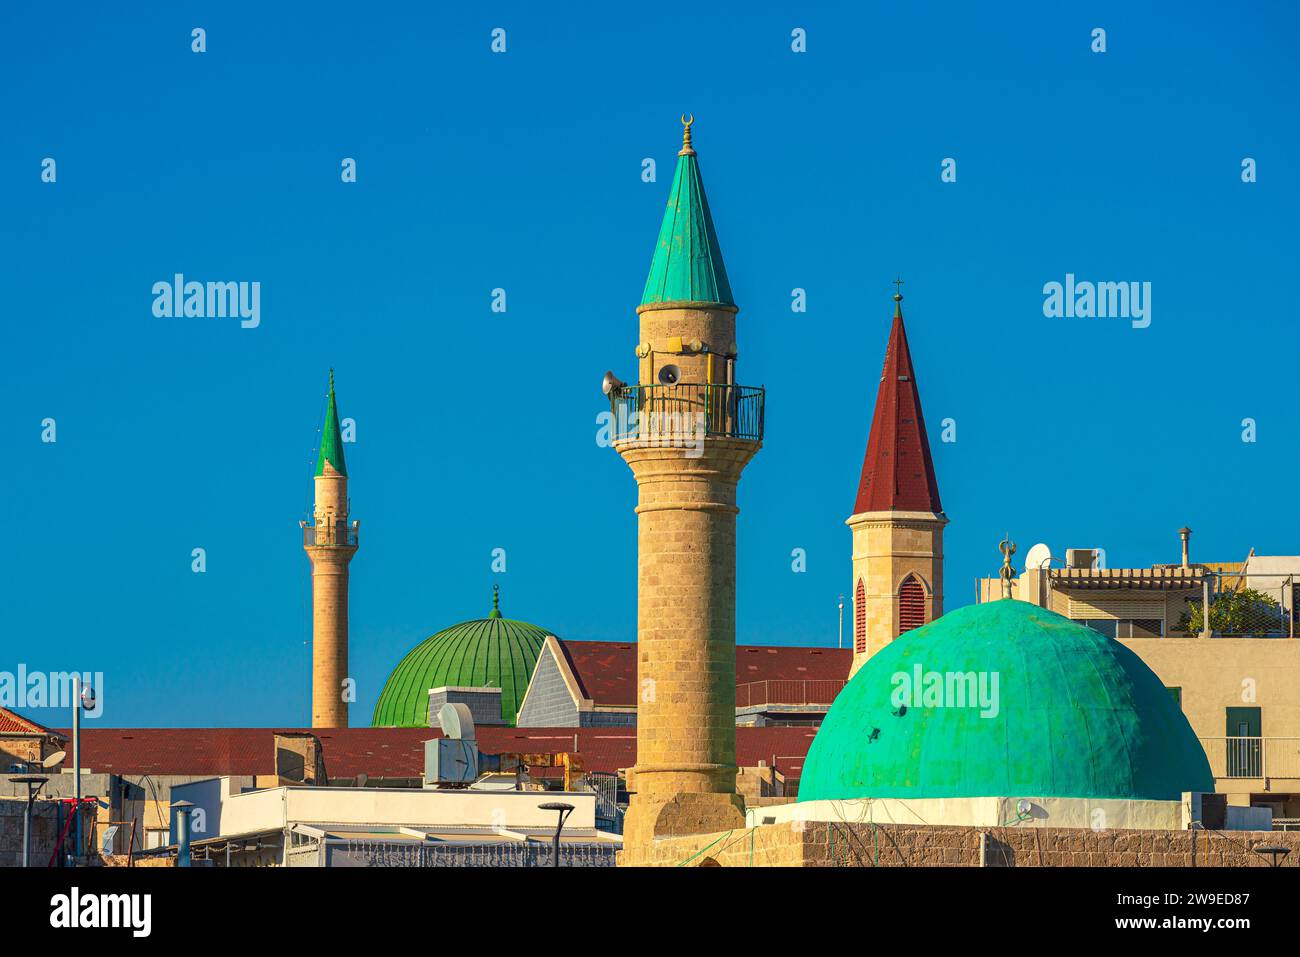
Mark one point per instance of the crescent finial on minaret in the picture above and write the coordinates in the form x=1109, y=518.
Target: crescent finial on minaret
x=687, y=149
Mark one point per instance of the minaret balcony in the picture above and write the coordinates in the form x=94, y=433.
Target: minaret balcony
x=339, y=534
x=684, y=411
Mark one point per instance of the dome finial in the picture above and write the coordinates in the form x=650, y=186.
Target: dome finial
x=898, y=297
x=687, y=149
x=1008, y=548
x=331, y=380
x=496, y=602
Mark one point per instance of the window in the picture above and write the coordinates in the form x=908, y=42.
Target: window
x=1125, y=627
x=911, y=604
x=860, y=619
x=1104, y=625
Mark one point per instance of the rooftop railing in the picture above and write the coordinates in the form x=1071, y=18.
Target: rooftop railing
x=793, y=691
x=683, y=412
x=1239, y=757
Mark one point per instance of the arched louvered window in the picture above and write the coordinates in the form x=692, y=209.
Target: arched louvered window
x=860, y=619
x=911, y=604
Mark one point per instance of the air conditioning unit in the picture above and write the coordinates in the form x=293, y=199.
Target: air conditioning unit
x=1083, y=557
x=449, y=762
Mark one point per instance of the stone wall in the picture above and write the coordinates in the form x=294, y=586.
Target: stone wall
x=20, y=749
x=45, y=830
x=889, y=845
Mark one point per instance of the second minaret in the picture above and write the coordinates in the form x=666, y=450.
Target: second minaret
x=330, y=542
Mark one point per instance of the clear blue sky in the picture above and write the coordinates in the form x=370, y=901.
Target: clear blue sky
x=476, y=430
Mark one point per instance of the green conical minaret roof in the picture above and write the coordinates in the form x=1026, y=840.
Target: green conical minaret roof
x=688, y=261
x=331, y=438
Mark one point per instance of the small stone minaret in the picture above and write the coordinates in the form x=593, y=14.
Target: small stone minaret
x=330, y=543
x=897, y=520
x=687, y=430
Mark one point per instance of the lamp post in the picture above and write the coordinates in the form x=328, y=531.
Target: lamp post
x=840, y=642
x=1277, y=854
x=82, y=697
x=565, y=810
x=34, y=784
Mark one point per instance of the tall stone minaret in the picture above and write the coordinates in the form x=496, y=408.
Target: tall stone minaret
x=897, y=520
x=330, y=543
x=687, y=431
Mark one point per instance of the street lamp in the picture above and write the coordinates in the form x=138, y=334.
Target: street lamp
x=82, y=697
x=1277, y=854
x=565, y=810
x=34, y=784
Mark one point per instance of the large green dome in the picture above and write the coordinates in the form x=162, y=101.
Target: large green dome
x=492, y=652
x=1077, y=715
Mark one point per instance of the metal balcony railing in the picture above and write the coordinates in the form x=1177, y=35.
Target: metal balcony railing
x=794, y=691
x=683, y=411
x=1235, y=757
x=332, y=533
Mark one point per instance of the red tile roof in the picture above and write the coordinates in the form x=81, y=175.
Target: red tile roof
x=898, y=472
x=386, y=752
x=787, y=663
x=606, y=670
x=13, y=723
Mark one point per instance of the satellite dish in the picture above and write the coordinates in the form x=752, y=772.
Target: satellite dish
x=88, y=698
x=611, y=383
x=669, y=375
x=1040, y=556
x=54, y=759
x=456, y=721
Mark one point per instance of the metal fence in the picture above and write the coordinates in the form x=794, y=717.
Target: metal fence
x=1243, y=605
x=794, y=691
x=681, y=412
x=378, y=853
x=609, y=812
x=1242, y=757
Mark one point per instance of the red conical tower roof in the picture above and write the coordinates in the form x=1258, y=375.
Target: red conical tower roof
x=898, y=472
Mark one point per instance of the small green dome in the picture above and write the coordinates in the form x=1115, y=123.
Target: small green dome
x=491, y=652
x=1075, y=714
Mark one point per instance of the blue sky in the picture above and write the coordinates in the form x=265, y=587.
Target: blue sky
x=476, y=430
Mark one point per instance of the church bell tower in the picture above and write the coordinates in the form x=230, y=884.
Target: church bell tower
x=897, y=519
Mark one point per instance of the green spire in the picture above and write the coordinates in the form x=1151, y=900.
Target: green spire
x=496, y=602
x=331, y=438
x=688, y=261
